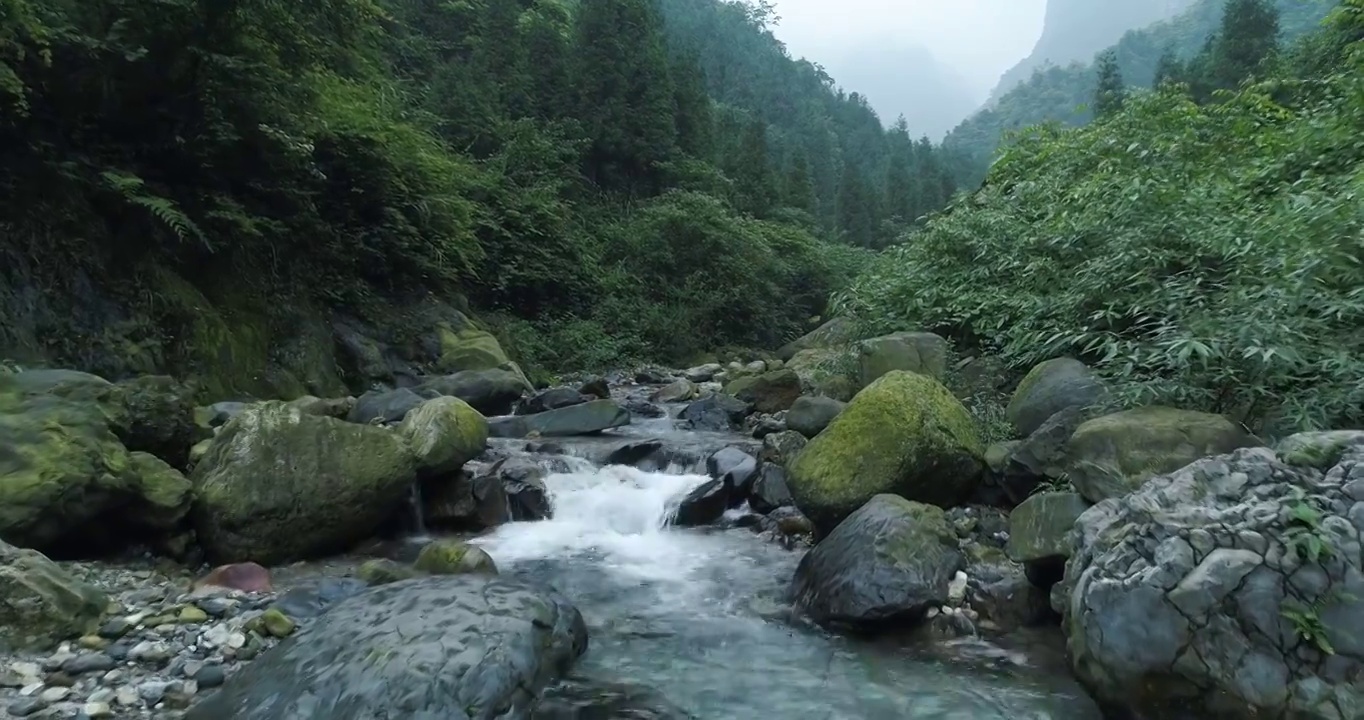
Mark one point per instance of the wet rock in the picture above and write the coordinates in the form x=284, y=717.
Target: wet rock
x=384, y=406
x=652, y=376
x=1041, y=456
x=390, y=646
x=493, y=391
x=1038, y=527
x=246, y=577
x=781, y=448
x=596, y=387
x=734, y=467
x=551, y=399
x=583, y=419
x=704, y=505
x=312, y=599
x=769, y=392
x=451, y=557
x=702, y=373
x=770, y=490
x=40, y=603
x=1231, y=587
x=443, y=434
x=809, y=415
x=382, y=571
x=716, y=412
x=1049, y=388
x=589, y=699
x=643, y=408
x=676, y=391
x=461, y=502
x=523, y=483
x=634, y=453
x=885, y=564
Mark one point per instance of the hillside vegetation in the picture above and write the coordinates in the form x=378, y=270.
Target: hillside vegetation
x=1062, y=92
x=183, y=179
x=1202, y=254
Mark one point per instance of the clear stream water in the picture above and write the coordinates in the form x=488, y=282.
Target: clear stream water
x=698, y=615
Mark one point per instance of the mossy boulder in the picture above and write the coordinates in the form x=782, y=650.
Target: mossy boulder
x=769, y=392
x=451, y=557
x=1319, y=450
x=444, y=433
x=468, y=349
x=918, y=352
x=279, y=485
x=156, y=414
x=904, y=434
x=164, y=491
x=382, y=571
x=1039, y=525
x=836, y=331
x=1049, y=388
x=41, y=604
x=1112, y=455
x=493, y=391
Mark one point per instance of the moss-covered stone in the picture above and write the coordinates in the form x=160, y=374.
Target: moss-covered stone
x=444, y=433
x=198, y=451
x=278, y=484
x=918, y=352
x=163, y=492
x=382, y=571
x=41, y=604
x=770, y=392
x=277, y=624
x=468, y=349
x=904, y=434
x=1319, y=450
x=1049, y=388
x=451, y=557
x=1039, y=525
x=836, y=331
x=155, y=414
x=1113, y=455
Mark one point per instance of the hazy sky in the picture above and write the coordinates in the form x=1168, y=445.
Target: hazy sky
x=980, y=39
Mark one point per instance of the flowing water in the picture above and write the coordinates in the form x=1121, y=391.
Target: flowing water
x=698, y=614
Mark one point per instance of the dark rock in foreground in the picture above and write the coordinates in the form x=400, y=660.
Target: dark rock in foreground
x=436, y=648
x=581, y=419
x=585, y=699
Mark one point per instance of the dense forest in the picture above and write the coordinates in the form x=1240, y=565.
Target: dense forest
x=1202, y=249
x=1062, y=93
x=604, y=180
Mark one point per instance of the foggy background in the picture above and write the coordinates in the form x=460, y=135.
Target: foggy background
x=934, y=61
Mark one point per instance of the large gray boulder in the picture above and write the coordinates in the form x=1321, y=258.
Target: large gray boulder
x=916, y=352
x=1049, y=388
x=1231, y=588
x=887, y=563
x=42, y=604
x=492, y=391
x=810, y=414
x=454, y=647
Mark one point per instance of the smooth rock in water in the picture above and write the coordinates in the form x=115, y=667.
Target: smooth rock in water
x=451, y=557
x=1115, y=454
x=491, y=392
x=340, y=482
x=378, y=407
x=770, y=490
x=885, y=564
x=904, y=434
x=40, y=603
x=584, y=419
x=523, y=483
x=717, y=412
x=734, y=467
x=702, y=373
x=633, y=453
x=439, y=648
x=1049, y=388
x=809, y=415
x=444, y=433
x=463, y=503
x=703, y=505
x=589, y=699
x=676, y=391
x=382, y=571
x=596, y=387
x=781, y=448
x=917, y=352
x=246, y=577
x=643, y=408
x=1003, y=595
x=312, y=599
x=652, y=376
x=770, y=392
x=1231, y=587
x=551, y=399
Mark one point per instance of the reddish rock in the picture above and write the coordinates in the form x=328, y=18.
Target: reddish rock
x=246, y=577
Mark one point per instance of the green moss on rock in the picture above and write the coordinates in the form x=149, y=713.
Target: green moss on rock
x=382, y=571
x=1319, y=450
x=444, y=433
x=769, y=392
x=451, y=557
x=41, y=604
x=163, y=493
x=904, y=434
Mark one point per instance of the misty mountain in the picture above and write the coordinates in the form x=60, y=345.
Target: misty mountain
x=1075, y=30
x=932, y=97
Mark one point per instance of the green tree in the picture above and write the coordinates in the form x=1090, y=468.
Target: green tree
x=1111, y=91
x=753, y=176
x=1247, y=40
x=798, y=192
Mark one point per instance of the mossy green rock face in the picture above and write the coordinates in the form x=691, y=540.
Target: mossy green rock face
x=164, y=490
x=1039, y=525
x=769, y=392
x=155, y=414
x=1049, y=388
x=1112, y=455
x=41, y=604
x=278, y=485
x=918, y=352
x=451, y=557
x=382, y=571
x=1319, y=450
x=469, y=349
x=444, y=433
x=836, y=331
x=904, y=434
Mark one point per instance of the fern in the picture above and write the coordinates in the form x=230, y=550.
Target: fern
x=133, y=189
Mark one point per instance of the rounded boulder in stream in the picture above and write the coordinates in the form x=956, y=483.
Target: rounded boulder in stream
x=445, y=647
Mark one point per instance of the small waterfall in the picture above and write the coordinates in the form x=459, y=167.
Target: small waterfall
x=414, y=500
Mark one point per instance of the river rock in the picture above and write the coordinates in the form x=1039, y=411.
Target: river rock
x=916, y=352
x=1041, y=456
x=444, y=433
x=1002, y=594
x=1039, y=526
x=703, y=505
x=523, y=482
x=493, y=391
x=279, y=485
x=809, y=415
x=457, y=647
x=886, y=563
x=470, y=348
x=463, y=502
x=1231, y=587
x=582, y=419
x=41, y=604
x=384, y=406
x=781, y=448
x=677, y=391
x=551, y=399
x=1049, y=388
x=702, y=373
x=904, y=434
x=770, y=490
x=1114, y=454
x=154, y=414
x=718, y=412
x=769, y=392
x=451, y=557
x=835, y=331
x=581, y=698
x=734, y=467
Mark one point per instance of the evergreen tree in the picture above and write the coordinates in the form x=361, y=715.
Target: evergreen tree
x=902, y=202
x=1110, y=92
x=625, y=97
x=856, y=215
x=695, y=126
x=752, y=174
x=1169, y=69
x=798, y=192
x=1247, y=39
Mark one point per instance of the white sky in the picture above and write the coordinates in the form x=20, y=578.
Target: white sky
x=980, y=39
